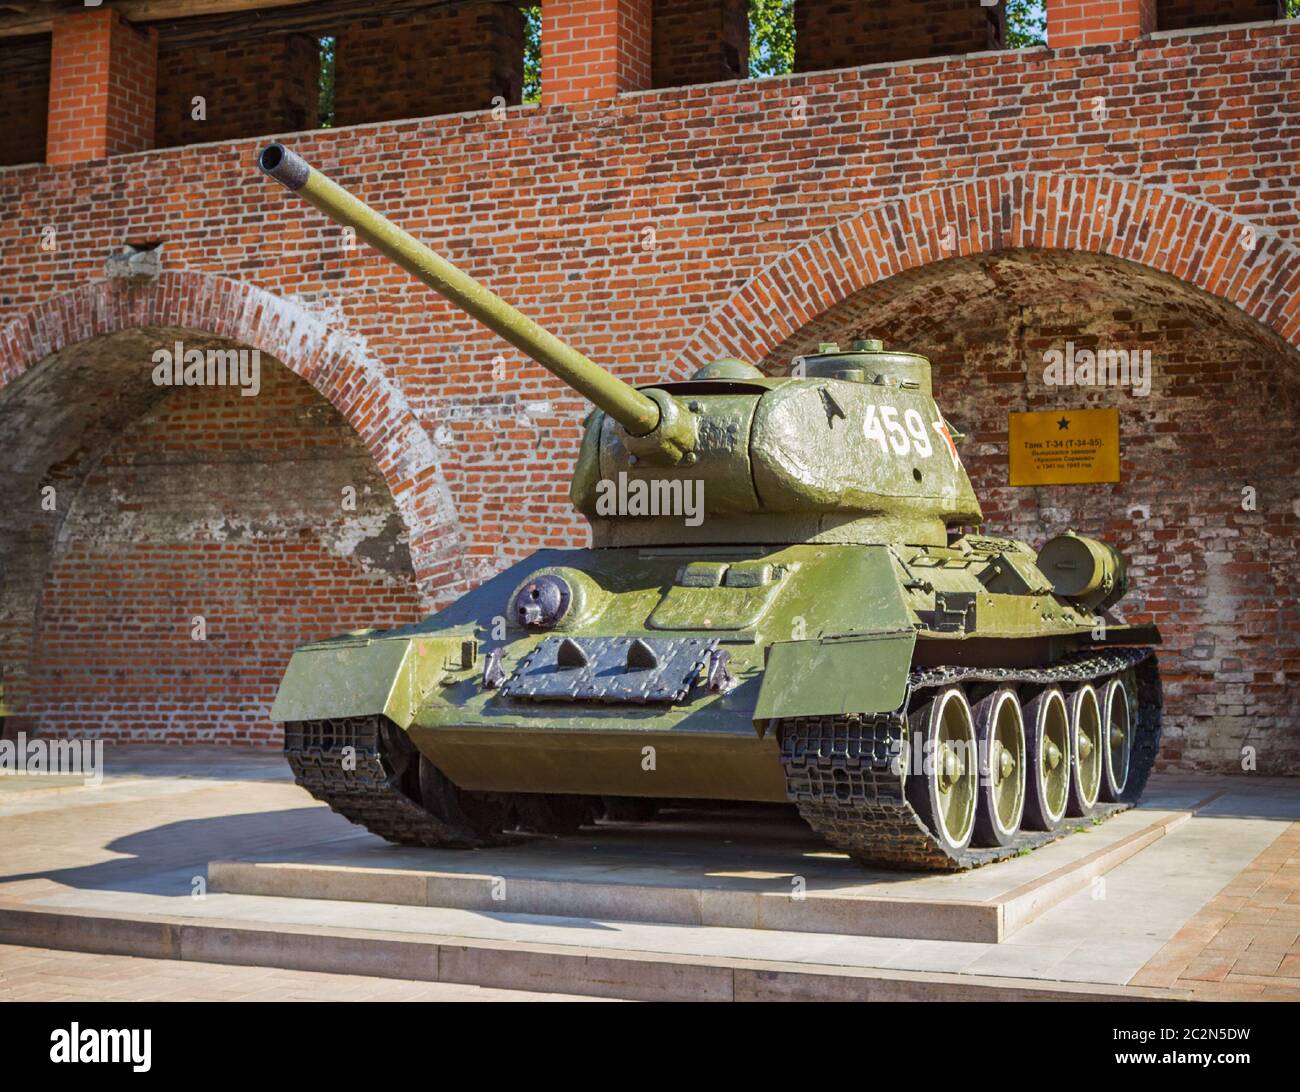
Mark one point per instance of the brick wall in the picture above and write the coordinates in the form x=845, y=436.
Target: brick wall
x=439, y=61
x=25, y=78
x=843, y=33
x=699, y=41
x=550, y=207
x=250, y=86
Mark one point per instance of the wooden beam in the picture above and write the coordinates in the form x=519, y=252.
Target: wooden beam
x=39, y=9
x=41, y=19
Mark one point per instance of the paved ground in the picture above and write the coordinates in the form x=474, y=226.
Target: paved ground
x=1246, y=941
x=1222, y=885
x=42, y=974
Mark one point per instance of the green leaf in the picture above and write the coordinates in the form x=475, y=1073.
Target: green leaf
x=1027, y=23
x=771, y=37
x=532, y=54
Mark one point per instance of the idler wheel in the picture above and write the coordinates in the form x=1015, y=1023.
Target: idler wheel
x=553, y=813
x=942, y=779
x=1087, y=750
x=1117, y=723
x=1047, y=760
x=1000, y=729
x=486, y=814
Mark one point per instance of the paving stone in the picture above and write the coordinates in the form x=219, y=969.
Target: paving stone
x=1230, y=903
x=1252, y=962
x=1229, y=989
x=1208, y=969
x=1280, y=937
x=1253, y=915
x=1159, y=978
x=1270, y=981
x=1196, y=934
x=1231, y=939
x=1274, y=993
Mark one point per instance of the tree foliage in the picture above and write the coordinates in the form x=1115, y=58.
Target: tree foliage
x=326, y=100
x=532, y=54
x=1026, y=23
x=771, y=37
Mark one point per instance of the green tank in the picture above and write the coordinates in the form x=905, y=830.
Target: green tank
x=787, y=598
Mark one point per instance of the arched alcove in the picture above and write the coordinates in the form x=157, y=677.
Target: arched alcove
x=1206, y=508
x=164, y=548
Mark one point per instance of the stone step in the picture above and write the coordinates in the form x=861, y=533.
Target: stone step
x=548, y=968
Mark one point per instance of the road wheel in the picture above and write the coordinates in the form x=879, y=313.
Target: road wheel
x=1117, y=721
x=1000, y=729
x=944, y=784
x=1047, y=757
x=1087, y=750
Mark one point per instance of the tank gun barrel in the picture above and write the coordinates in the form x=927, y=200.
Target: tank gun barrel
x=638, y=413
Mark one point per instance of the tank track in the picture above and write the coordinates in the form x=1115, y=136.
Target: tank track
x=840, y=770
x=365, y=785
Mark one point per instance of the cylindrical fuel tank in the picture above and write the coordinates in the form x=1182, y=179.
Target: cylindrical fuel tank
x=1083, y=569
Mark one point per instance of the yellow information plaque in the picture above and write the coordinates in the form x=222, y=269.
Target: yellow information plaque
x=1063, y=447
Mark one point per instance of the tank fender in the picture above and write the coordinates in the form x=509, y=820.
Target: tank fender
x=355, y=678
x=826, y=676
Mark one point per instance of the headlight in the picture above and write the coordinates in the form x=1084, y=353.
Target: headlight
x=542, y=602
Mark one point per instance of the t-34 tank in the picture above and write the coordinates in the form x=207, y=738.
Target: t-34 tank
x=781, y=603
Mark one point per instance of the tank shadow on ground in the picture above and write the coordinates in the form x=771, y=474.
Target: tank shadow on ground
x=153, y=858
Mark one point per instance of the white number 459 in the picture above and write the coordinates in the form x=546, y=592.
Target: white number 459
x=902, y=435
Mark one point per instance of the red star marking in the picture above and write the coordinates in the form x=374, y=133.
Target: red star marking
x=942, y=427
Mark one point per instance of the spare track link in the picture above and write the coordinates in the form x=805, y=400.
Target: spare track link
x=839, y=770
x=364, y=785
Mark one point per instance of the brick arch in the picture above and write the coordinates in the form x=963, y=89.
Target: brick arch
x=336, y=364
x=1193, y=241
